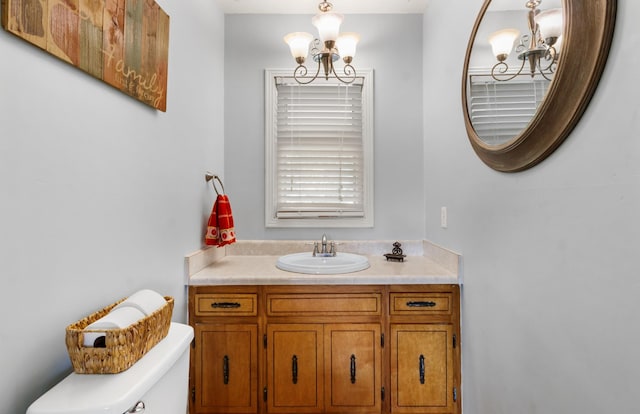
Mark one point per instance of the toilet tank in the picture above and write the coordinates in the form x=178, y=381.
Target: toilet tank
x=158, y=382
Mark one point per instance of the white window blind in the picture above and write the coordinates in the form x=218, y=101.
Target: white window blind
x=320, y=151
x=501, y=110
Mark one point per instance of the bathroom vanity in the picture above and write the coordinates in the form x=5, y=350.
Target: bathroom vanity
x=383, y=340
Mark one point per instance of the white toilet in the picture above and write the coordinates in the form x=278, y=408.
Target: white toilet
x=156, y=384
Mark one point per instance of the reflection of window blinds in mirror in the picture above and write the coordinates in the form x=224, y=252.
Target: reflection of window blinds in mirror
x=500, y=110
x=319, y=150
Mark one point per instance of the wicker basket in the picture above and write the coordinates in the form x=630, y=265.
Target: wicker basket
x=124, y=347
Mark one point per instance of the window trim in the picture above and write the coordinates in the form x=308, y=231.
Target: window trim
x=271, y=101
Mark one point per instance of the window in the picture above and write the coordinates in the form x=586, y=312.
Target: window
x=501, y=110
x=318, y=152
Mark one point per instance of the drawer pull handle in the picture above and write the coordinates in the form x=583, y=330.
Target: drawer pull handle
x=225, y=305
x=294, y=369
x=421, y=369
x=225, y=370
x=421, y=304
x=353, y=369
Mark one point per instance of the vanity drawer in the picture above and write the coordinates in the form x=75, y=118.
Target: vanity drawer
x=420, y=303
x=307, y=304
x=226, y=304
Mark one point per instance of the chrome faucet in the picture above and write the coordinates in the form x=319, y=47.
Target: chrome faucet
x=324, y=252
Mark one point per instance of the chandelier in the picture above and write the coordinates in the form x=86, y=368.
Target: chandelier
x=325, y=50
x=540, y=47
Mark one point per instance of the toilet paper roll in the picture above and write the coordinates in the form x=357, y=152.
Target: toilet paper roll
x=118, y=318
x=146, y=301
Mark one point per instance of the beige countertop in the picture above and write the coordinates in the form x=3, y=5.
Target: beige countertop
x=254, y=263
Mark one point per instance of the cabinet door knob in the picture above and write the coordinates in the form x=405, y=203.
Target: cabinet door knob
x=225, y=370
x=294, y=369
x=421, y=368
x=353, y=369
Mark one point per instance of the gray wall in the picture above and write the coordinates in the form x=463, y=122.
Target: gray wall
x=550, y=304
x=253, y=43
x=101, y=195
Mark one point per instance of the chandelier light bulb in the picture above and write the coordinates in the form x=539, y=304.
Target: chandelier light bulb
x=299, y=44
x=558, y=45
x=346, y=45
x=502, y=42
x=550, y=23
x=328, y=25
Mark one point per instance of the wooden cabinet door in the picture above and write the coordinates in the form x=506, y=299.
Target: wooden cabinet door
x=226, y=368
x=353, y=364
x=294, y=368
x=422, y=368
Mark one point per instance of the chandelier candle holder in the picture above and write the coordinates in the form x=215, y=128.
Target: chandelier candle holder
x=540, y=47
x=326, y=50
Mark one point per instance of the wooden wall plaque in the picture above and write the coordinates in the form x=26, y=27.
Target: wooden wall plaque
x=124, y=43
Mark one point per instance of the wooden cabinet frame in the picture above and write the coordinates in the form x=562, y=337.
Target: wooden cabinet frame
x=325, y=335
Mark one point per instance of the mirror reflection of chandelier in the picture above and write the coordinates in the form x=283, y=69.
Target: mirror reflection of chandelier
x=540, y=47
x=325, y=50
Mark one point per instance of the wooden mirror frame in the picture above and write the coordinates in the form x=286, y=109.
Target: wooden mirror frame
x=588, y=31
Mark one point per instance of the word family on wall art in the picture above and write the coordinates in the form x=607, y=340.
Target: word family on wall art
x=124, y=43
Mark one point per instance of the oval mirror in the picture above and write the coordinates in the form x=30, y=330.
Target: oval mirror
x=529, y=74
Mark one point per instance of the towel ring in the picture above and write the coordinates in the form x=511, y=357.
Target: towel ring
x=210, y=177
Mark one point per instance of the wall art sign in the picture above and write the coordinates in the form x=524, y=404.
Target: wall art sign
x=124, y=43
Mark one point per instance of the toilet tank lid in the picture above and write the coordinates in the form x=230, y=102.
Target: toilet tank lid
x=115, y=393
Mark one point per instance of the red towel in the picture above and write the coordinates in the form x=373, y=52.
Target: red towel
x=220, y=229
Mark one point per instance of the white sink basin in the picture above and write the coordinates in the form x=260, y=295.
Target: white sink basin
x=317, y=265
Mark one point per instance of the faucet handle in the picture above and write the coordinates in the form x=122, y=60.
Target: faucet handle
x=333, y=249
x=315, y=249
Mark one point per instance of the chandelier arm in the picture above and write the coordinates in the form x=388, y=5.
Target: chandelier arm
x=349, y=72
x=502, y=68
x=546, y=71
x=544, y=75
x=301, y=71
x=550, y=56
